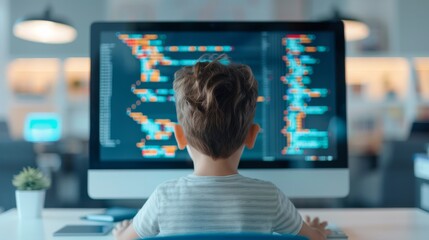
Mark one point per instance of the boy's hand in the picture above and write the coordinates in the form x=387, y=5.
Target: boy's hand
x=318, y=225
x=120, y=227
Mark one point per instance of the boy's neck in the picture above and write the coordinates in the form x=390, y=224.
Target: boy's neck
x=207, y=166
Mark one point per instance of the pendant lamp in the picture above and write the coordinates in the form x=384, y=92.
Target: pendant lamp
x=353, y=29
x=44, y=28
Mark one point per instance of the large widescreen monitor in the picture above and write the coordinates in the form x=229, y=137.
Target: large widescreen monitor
x=302, y=146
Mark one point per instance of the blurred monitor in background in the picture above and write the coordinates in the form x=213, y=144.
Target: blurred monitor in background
x=42, y=127
x=4, y=132
x=419, y=129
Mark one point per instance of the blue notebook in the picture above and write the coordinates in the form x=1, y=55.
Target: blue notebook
x=112, y=215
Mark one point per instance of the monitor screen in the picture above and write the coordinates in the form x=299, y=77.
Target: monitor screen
x=300, y=107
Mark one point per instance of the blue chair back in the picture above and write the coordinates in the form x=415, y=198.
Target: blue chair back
x=229, y=236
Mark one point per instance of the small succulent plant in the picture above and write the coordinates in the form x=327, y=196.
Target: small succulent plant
x=31, y=179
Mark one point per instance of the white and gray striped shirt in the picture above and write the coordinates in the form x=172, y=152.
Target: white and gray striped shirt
x=201, y=204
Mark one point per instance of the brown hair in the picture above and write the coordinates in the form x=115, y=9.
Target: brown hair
x=215, y=102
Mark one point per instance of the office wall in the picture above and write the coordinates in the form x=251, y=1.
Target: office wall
x=80, y=13
x=4, y=23
x=402, y=22
x=206, y=10
x=380, y=15
x=412, y=26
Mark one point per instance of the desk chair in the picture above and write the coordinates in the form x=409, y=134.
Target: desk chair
x=230, y=236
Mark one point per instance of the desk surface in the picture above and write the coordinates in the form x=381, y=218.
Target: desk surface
x=368, y=224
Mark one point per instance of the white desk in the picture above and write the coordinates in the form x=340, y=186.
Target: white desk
x=368, y=224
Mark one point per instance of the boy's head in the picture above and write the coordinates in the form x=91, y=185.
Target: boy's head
x=215, y=105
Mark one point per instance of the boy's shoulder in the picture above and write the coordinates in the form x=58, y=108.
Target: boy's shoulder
x=262, y=183
x=229, y=185
x=232, y=179
x=171, y=183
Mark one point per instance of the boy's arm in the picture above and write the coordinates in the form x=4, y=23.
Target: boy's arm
x=288, y=220
x=125, y=231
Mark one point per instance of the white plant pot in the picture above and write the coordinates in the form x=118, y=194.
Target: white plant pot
x=30, y=203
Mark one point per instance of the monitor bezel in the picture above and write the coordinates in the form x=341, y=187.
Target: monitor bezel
x=336, y=27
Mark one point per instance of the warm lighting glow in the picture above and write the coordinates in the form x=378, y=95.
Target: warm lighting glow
x=421, y=63
x=376, y=72
x=44, y=31
x=33, y=76
x=77, y=64
x=77, y=76
x=355, y=30
x=422, y=72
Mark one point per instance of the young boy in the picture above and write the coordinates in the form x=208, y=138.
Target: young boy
x=215, y=107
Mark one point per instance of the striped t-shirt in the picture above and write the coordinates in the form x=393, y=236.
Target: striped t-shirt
x=202, y=204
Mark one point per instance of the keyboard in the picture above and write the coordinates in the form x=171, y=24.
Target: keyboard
x=336, y=233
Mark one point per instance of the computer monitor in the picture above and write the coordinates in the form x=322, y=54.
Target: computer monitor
x=301, y=108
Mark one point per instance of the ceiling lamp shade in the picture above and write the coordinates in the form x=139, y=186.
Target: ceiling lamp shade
x=44, y=29
x=353, y=29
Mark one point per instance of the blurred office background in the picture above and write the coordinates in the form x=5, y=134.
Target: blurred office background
x=387, y=87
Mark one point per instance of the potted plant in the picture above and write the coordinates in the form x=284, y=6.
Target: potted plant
x=31, y=185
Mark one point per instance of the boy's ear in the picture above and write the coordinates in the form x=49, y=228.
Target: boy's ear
x=251, y=136
x=180, y=137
